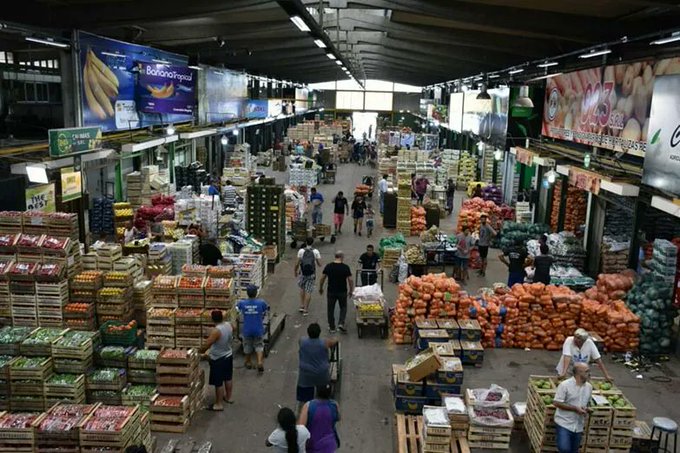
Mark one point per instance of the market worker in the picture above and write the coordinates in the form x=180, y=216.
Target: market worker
x=214, y=188
x=580, y=349
x=308, y=259
x=463, y=248
x=542, y=265
x=210, y=253
x=218, y=345
x=477, y=193
x=314, y=367
x=340, y=209
x=229, y=192
x=571, y=403
x=131, y=232
x=450, y=192
x=515, y=257
x=369, y=262
x=339, y=277
x=421, y=188
x=253, y=311
x=486, y=233
x=317, y=200
x=382, y=189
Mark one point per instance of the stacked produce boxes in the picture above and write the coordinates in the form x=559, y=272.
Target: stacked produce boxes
x=248, y=270
x=160, y=328
x=22, y=293
x=467, y=170
x=142, y=366
x=105, y=385
x=114, y=299
x=115, y=428
x=491, y=421
x=59, y=427
x=188, y=327
x=73, y=352
x=266, y=210
x=27, y=375
x=160, y=262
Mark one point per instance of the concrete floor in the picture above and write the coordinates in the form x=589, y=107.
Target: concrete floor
x=365, y=398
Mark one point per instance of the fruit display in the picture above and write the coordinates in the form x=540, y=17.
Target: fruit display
x=109, y=292
x=43, y=335
x=141, y=391
x=10, y=420
x=165, y=282
x=105, y=375
x=13, y=335
x=414, y=254
x=191, y=283
x=49, y=272
x=29, y=241
x=109, y=419
x=194, y=270
x=77, y=307
x=149, y=355
x=471, y=211
x=160, y=313
x=8, y=241
x=62, y=379
x=175, y=354
x=113, y=328
x=168, y=401
x=28, y=363
x=55, y=243
x=75, y=339
x=22, y=270
x=224, y=272
x=370, y=309
x=117, y=353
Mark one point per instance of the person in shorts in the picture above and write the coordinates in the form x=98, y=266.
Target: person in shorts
x=486, y=233
x=463, y=248
x=308, y=259
x=218, y=345
x=253, y=311
x=369, y=215
x=358, y=208
x=340, y=210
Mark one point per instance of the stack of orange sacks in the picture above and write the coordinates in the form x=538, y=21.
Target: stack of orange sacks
x=429, y=296
x=417, y=220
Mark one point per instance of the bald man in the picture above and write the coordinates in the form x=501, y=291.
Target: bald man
x=571, y=401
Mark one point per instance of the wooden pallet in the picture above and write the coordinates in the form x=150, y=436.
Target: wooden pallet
x=408, y=436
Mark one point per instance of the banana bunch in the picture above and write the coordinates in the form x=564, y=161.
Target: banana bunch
x=101, y=86
x=163, y=92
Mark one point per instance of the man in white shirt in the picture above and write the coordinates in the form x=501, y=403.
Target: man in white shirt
x=580, y=349
x=571, y=401
x=382, y=188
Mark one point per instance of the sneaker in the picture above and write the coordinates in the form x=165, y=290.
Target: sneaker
x=332, y=330
x=305, y=312
x=260, y=370
x=359, y=233
x=342, y=328
x=301, y=310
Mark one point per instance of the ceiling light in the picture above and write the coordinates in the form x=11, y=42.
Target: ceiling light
x=156, y=60
x=543, y=77
x=479, y=77
x=197, y=68
x=338, y=62
x=515, y=71
x=523, y=99
x=299, y=23
x=498, y=154
x=551, y=176
x=224, y=140
x=343, y=68
x=494, y=76
x=331, y=56
x=320, y=43
x=235, y=132
x=547, y=64
x=37, y=174
x=47, y=41
x=483, y=95
x=170, y=130
x=595, y=53
x=675, y=36
x=112, y=54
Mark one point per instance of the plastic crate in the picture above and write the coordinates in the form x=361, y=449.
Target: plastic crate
x=121, y=338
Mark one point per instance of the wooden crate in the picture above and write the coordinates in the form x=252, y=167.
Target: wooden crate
x=18, y=440
x=169, y=427
x=114, y=439
x=38, y=374
x=74, y=391
x=408, y=433
x=624, y=417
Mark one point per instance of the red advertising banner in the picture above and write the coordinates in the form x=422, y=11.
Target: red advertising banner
x=585, y=180
x=524, y=156
x=607, y=107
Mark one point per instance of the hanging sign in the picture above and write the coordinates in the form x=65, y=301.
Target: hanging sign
x=524, y=156
x=165, y=88
x=585, y=180
x=71, y=184
x=41, y=198
x=74, y=140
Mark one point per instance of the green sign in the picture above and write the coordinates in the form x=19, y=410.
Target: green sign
x=64, y=142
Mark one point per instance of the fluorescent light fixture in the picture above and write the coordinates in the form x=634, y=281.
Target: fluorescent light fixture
x=159, y=61
x=498, y=154
x=331, y=56
x=235, y=132
x=338, y=62
x=197, y=68
x=543, y=77
x=494, y=76
x=114, y=54
x=343, y=68
x=37, y=174
x=299, y=23
x=170, y=130
x=595, y=53
x=547, y=64
x=515, y=71
x=224, y=140
x=675, y=36
x=47, y=41
x=478, y=78
x=320, y=43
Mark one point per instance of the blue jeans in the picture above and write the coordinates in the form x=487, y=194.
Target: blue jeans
x=515, y=277
x=316, y=215
x=567, y=441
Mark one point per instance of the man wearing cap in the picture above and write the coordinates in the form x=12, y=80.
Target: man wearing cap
x=580, y=349
x=253, y=311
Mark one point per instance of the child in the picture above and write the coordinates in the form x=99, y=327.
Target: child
x=368, y=215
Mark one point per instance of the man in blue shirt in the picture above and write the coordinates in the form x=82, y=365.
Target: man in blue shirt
x=213, y=189
x=317, y=200
x=253, y=311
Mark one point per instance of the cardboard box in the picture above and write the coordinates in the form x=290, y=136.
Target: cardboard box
x=451, y=371
x=423, y=365
x=426, y=323
x=428, y=336
x=403, y=386
x=435, y=390
x=451, y=326
x=472, y=352
x=445, y=349
x=470, y=330
x=411, y=404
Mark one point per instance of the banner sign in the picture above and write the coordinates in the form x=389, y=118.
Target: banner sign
x=662, y=160
x=165, y=88
x=585, y=180
x=221, y=94
x=71, y=184
x=456, y=112
x=108, y=83
x=256, y=108
x=74, y=140
x=607, y=106
x=41, y=198
x=524, y=156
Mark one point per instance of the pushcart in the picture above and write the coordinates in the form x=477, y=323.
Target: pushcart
x=369, y=275
x=274, y=323
x=368, y=180
x=299, y=232
x=328, y=175
x=321, y=231
x=334, y=369
x=371, y=314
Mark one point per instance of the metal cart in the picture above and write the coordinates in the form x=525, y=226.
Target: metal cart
x=376, y=318
x=379, y=276
x=328, y=175
x=335, y=369
x=274, y=323
x=299, y=232
x=321, y=231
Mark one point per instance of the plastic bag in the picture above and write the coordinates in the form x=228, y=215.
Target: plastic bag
x=494, y=396
x=435, y=416
x=369, y=292
x=490, y=416
x=455, y=405
x=403, y=269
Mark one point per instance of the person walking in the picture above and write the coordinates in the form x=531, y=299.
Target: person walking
x=369, y=215
x=316, y=199
x=542, y=265
x=571, y=403
x=450, y=192
x=340, y=209
x=358, y=208
x=218, y=345
x=420, y=185
x=382, y=190
x=339, y=276
x=486, y=233
x=314, y=367
x=369, y=266
x=308, y=259
x=320, y=417
x=289, y=436
x=463, y=248
x=253, y=311
x=515, y=257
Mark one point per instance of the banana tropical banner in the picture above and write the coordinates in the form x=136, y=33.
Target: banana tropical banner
x=166, y=88
x=109, y=71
